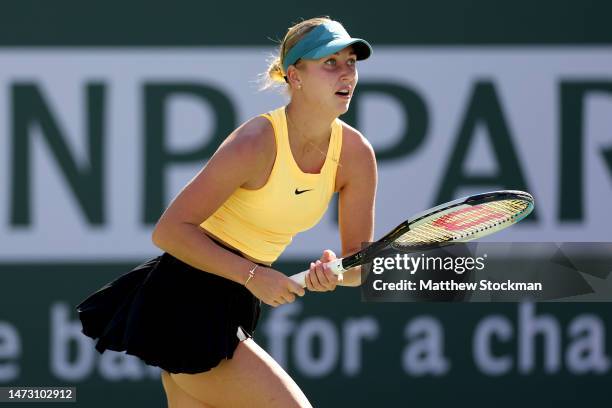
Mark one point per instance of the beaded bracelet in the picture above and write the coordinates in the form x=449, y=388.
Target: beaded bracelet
x=251, y=274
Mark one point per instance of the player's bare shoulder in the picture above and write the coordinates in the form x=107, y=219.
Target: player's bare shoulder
x=355, y=147
x=357, y=157
x=255, y=137
x=252, y=144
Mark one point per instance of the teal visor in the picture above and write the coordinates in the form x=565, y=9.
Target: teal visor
x=325, y=39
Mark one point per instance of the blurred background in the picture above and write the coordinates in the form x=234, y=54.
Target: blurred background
x=108, y=108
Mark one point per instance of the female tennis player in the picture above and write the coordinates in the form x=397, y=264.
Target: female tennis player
x=192, y=311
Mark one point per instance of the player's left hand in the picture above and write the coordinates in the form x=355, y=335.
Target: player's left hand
x=320, y=278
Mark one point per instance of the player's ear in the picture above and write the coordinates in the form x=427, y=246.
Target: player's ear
x=293, y=77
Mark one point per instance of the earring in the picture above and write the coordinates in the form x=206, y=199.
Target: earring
x=299, y=86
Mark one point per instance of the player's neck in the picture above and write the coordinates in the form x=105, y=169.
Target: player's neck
x=311, y=123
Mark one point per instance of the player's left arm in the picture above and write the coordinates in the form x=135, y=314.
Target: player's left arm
x=356, y=179
x=356, y=184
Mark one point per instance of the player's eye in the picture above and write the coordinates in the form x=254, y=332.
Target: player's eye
x=351, y=62
x=331, y=61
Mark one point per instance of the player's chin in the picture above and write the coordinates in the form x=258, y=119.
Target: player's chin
x=343, y=107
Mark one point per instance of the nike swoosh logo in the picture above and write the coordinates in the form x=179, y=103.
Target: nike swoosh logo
x=301, y=191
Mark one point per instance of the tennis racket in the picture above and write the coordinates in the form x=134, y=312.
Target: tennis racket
x=460, y=220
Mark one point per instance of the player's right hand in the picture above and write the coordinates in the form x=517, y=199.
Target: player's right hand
x=273, y=288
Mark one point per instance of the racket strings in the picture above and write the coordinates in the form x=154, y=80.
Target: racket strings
x=464, y=223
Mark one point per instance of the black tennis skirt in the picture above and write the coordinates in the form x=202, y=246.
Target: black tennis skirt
x=171, y=315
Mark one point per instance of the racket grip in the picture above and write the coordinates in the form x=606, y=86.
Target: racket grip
x=335, y=266
x=300, y=278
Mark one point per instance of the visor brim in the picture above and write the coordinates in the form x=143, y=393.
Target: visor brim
x=362, y=48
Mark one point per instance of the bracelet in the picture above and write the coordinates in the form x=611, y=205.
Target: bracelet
x=251, y=274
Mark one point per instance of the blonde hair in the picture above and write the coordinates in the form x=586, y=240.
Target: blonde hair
x=274, y=76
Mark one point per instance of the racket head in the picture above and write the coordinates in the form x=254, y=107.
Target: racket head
x=462, y=220
x=487, y=217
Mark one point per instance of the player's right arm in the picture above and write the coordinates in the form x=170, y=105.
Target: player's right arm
x=243, y=158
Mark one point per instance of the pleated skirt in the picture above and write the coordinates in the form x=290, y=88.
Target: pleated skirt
x=171, y=315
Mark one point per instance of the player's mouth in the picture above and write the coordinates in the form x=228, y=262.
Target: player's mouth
x=344, y=93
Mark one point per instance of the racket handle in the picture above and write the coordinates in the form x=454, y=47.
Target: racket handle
x=335, y=266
